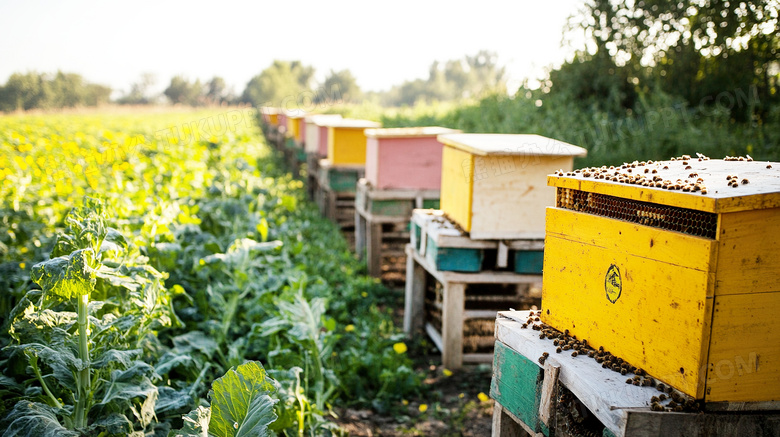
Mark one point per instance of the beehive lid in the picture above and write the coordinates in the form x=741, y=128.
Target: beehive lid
x=295, y=113
x=409, y=132
x=321, y=118
x=510, y=144
x=758, y=183
x=350, y=123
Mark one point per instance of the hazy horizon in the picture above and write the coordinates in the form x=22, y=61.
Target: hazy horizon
x=114, y=43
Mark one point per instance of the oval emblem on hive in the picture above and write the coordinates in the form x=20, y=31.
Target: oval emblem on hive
x=613, y=283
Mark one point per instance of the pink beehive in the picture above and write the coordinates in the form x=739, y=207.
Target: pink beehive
x=405, y=158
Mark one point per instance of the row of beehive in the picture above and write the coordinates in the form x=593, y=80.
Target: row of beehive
x=478, y=173
x=683, y=283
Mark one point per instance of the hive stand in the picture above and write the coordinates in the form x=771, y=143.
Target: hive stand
x=382, y=223
x=454, y=314
x=527, y=395
x=312, y=174
x=315, y=147
x=336, y=192
x=448, y=248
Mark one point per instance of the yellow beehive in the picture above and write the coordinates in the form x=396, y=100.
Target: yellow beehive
x=294, y=124
x=270, y=115
x=346, y=140
x=494, y=186
x=681, y=281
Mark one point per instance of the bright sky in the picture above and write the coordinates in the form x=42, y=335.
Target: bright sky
x=382, y=43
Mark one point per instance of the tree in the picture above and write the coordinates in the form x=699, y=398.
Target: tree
x=278, y=84
x=140, y=91
x=49, y=91
x=216, y=90
x=181, y=91
x=345, y=83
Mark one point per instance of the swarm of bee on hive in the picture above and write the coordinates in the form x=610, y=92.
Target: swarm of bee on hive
x=669, y=398
x=648, y=174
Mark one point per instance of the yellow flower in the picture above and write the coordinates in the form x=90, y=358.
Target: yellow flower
x=399, y=348
x=22, y=265
x=461, y=396
x=404, y=402
x=202, y=262
x=447, y=372
x=482, y=397
x=364, y=294
x=423, y=408
x=349, y=328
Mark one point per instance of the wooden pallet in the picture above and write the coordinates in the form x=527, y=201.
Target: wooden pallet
x=528, y=394
x=454, y=315
x=382, y=223
x=448, y=248
x=312, y=173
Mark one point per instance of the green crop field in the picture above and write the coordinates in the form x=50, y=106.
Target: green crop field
x=150, y=263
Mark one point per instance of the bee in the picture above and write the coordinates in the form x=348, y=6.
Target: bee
x=671, y=404
x=566, y=332
x=623, y=371
x=662, y=397
x=688, y=167
x=656, y=407
x=545, y=354
x=566, y=347
x=636, y=383
x=745, y=181
x=640, y=372
x=685, y=162
x=703, y=190
x=536, y=319
x=558, y=350
x=637, y=377
x=666, y=167
x=601, y=349
x=646, y=383
x=542, y=336
x=661, y=388
x=555, y=342
x=586, y=174
x=769, y=166
x=525, y=326
x=693, y=175
x=542, y=359
x=669, y=389
x=654, y=399
x=591, y=354
x=629, y=381
x=574, y=354
x=654, y=171
x=604, y=365
x=678, y=409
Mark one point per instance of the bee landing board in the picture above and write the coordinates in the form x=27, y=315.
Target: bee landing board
x=494, y=185
x=685, y=284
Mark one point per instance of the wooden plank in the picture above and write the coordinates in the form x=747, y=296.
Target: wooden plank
x=454, y=258
x=435, y=336
x=472, y=278
x=510, y=195
x=744, y=359
x=604, y=392
x=505, y=425
x=762, y=192
x=749, y=252
x=457, y=185
x=516, y=386
x=452, y=324
x=547, y=397
x=502, y=258
x=414, y=300
x=478, y=358
x=665, y=424
x=360, y=235
x=374, y=249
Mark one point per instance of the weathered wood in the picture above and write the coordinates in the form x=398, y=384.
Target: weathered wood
x=452, y=324
x=604, y=392
x=415, y=297
x=360, y=235
x=516, y=386
x=504, y=425
x=547, y=397
x=374, y=249
x=494, y=185
x=502, y=260
x=655, y=424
